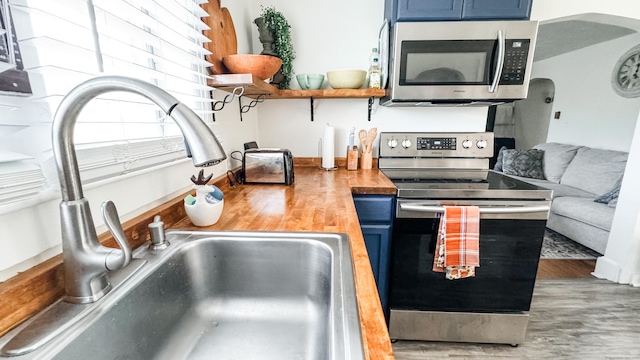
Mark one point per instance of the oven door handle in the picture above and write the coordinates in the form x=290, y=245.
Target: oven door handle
x=483, y=210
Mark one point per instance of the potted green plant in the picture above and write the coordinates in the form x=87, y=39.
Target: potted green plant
x=283, y=48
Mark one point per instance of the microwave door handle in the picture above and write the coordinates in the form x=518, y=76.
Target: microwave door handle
x=498, y=70
x=385, y=23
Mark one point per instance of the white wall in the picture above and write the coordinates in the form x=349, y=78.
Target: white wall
x=334, y=34
x=533, y=114
x=621, y=261
x=592, y=114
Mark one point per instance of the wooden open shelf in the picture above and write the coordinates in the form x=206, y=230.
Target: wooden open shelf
x=254, y=87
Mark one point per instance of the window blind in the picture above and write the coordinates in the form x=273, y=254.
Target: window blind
x=66, y=42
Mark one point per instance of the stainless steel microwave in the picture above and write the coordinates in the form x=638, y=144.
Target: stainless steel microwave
x=458, y=62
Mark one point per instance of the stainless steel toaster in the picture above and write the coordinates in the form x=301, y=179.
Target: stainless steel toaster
x=267, y=165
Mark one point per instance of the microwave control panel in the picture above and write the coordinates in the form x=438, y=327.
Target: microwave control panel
x=515, y=61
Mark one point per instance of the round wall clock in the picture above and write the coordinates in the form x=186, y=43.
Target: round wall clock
x=626, y=74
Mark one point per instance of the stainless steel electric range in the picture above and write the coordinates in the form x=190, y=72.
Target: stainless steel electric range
x=435, y=169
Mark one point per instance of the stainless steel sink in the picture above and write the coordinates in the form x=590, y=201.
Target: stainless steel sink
x=223, y=295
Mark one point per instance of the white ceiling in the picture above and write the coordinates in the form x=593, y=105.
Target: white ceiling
x=563, y=35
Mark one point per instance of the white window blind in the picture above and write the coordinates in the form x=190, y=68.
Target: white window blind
x=66, y=42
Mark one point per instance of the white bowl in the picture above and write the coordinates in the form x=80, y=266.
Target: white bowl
x=346, y=79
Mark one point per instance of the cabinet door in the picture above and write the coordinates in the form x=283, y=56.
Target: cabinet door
x=429, y=10
x=375, y=213
x=374, y=208
x=496, y=9
x=377, y=239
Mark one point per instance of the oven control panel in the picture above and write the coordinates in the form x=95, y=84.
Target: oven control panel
x=471, y=145
x=431, y=143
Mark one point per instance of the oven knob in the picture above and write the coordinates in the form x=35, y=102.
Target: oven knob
x=392, y=143
x=481, y=144
x=466, y=144
x=406, y=143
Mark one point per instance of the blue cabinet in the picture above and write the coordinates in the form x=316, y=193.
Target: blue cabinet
x=425, y=10
x=375, y=213
x=496, y=9
x=443, y=10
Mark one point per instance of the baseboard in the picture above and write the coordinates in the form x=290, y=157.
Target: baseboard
x=635, y=280
x=607, y=269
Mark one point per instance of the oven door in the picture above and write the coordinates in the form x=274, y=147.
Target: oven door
x=511, y=236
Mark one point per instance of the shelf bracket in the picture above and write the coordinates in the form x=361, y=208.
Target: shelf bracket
x=312, y=110
x=253, y=103
x=219, y=105
x=371, y=98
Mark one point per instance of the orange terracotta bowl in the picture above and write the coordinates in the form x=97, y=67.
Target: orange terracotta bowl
x=261, y=66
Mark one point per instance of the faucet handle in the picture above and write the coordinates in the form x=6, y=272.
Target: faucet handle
x=116, y=259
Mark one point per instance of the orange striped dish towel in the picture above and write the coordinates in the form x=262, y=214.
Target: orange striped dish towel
x=457, y=247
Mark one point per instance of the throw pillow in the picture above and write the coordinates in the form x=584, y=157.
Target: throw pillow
x=498, y=165
x=611, y=196
x=525, y=163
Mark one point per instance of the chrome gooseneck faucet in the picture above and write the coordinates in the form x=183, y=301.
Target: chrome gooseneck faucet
x=86, y=261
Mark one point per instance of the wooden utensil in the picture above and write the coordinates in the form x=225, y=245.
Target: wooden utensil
x=222, y=35
x=371, y=136
x=362, y=135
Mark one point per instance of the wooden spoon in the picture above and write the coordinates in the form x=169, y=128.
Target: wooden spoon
x=371, y=136
x=362, y=135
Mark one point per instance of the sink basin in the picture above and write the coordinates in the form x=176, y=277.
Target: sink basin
x=223, y=295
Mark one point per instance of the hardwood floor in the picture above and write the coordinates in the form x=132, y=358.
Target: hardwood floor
x=565, y=269
x=573, y=316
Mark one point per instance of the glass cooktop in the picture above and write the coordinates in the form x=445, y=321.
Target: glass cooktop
x=459, y=183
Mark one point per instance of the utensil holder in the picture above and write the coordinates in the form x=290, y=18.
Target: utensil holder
x=203, y=213
x=365, y=161
x=352, y=158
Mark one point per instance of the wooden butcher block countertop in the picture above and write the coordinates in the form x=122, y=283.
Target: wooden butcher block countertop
x=318, y=201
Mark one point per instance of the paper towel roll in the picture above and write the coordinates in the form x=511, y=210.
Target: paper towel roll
x=328, y=141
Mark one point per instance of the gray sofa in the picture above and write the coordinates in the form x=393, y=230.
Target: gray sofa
x=585, y=183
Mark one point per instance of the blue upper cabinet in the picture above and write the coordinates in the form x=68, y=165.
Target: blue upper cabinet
x=496, y=9
x=426, y=10
x=443, y=10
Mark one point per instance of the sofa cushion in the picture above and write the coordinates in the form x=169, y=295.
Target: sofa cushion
x=556, y=159
x=595, y=170
x=584, y=210
x=526, y=163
